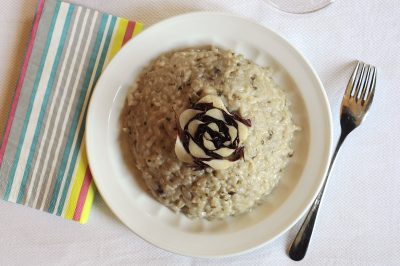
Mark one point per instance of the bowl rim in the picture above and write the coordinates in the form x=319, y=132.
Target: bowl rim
x=325, y=104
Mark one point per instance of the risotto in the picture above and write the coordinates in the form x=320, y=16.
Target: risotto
x=229, y=159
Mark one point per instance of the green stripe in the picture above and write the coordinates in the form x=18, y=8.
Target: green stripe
x=31, y=101
x=71, y=133
x=43, y=108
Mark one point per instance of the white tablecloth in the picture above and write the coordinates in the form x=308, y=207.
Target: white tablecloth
x=359, y=221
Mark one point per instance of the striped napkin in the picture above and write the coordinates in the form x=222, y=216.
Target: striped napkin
x=43, y=160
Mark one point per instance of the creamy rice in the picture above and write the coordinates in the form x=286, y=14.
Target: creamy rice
x=171, y=84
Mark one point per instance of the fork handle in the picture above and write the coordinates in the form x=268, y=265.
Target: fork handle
x=300, y=243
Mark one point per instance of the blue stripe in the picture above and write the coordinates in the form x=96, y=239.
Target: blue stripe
x=74, y=125
x=43, y=108
x=31, y=101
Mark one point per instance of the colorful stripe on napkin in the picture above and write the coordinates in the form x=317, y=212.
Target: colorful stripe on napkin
x=43, y=160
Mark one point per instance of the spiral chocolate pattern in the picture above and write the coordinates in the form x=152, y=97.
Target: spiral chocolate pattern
x=210, y=136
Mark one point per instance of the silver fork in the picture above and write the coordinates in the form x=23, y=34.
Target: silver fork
x=355, y=104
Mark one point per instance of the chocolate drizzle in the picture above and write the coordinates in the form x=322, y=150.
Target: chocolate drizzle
x=247, y=122
x=220, y=139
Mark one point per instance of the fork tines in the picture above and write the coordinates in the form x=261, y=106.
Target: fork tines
x=361, y=85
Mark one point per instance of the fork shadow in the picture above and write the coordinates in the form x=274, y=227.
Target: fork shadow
x=339, y=75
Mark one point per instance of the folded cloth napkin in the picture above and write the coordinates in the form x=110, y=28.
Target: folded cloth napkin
x=43, y=160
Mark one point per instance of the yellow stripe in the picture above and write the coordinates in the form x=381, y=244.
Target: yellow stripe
x=118, y=38
x=79, y=176
x=138, y=28
x=88, y=204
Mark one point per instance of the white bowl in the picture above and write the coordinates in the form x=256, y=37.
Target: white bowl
x=122, y=188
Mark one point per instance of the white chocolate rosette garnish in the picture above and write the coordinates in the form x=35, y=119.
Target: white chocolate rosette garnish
x=210, y=136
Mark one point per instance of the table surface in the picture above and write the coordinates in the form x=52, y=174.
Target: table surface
x=359, y=221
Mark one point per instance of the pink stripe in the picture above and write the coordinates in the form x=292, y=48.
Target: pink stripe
x=82, y=195
x=129, y=31
x=21, y=79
